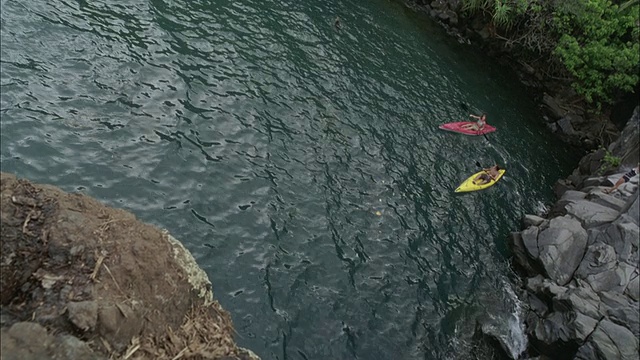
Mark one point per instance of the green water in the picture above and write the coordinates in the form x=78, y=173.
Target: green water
x=300, y=163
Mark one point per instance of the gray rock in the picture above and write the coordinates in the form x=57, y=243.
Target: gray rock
x=25, y=341
x=69, y=347
x=581, y=299
x=83, y=314
x=613, y=341
x=530, y=240
x=582, y=326
x=575, y=119
x=553, y=107
x=537, y=305
x=632, y=208
x=584, y=300
x=531, y=220
x=573, y=195
x=598, y=235
x=602, y=270
x=493, y=331
x=31, y=341
x=586, y=352
x=633, y=288
x=565, y=126
x=621, y=311
x=592, y=162
x=550, y=334
x=607, y=200
x=604, y=281
x=626, y=190
x=599, y=258
x=626, y=147
x=516, y=245
x=562, y=186
x=623, y=236
x=591, y=214
x=568, y=197
x=626, y=272
x=591, y=182
x=544, y=287
x=535, y=284
x=562, y=246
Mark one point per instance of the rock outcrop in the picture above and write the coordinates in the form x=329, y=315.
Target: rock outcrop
x=81, y=280
x=581, y=261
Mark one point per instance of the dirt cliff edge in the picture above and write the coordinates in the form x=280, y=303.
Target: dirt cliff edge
x=81, y=280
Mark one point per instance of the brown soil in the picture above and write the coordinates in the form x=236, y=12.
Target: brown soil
x=82, y=270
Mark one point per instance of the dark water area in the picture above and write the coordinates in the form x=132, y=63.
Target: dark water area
x=300, y=163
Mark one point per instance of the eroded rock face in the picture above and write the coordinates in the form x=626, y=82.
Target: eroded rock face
x=103, y=282
x=582, y=262
x=558, y=246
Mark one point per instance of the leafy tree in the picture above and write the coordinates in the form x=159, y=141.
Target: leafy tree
x=599, y=47
x=596, y=41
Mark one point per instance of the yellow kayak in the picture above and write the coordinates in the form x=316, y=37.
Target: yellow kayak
x=469, y=185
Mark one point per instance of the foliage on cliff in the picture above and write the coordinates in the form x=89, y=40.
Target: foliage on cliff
x=595, y=42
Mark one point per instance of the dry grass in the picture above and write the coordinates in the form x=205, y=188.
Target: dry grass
x=207, y=333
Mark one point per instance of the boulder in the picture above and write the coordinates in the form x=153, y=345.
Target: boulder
x=600, y=198
x=623, y=235
x=550, y=335
x=519, y=252
x=531, y=220
x=621, y=310
x=612, y=341
x=633, y=288
x=561, y=246
x=591, y=214
x=561, y=186
x=632, y=208
x=565, y=126
x=601, y=269
x=530, y=241
x=581, y=299
x=553, y=107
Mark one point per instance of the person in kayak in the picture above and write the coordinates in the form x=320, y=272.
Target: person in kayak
x=478, y=125
x=487, y=175
x=625, y=178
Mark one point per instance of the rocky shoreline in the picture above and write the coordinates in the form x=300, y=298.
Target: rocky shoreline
x=580, y=262
x=562, y=110
x=92, y=282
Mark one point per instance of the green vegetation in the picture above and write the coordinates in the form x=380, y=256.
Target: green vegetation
x=595, y=42
x=609, y=162
x=612, y=161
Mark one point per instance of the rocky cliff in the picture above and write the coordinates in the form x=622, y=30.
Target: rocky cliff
x=81, y=280
x=580, y=262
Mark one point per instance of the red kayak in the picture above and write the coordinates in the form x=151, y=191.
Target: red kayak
x=457, y=127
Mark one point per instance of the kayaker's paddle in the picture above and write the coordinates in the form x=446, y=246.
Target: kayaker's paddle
x=485, y=135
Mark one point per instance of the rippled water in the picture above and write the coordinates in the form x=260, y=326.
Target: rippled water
x=300, y=162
